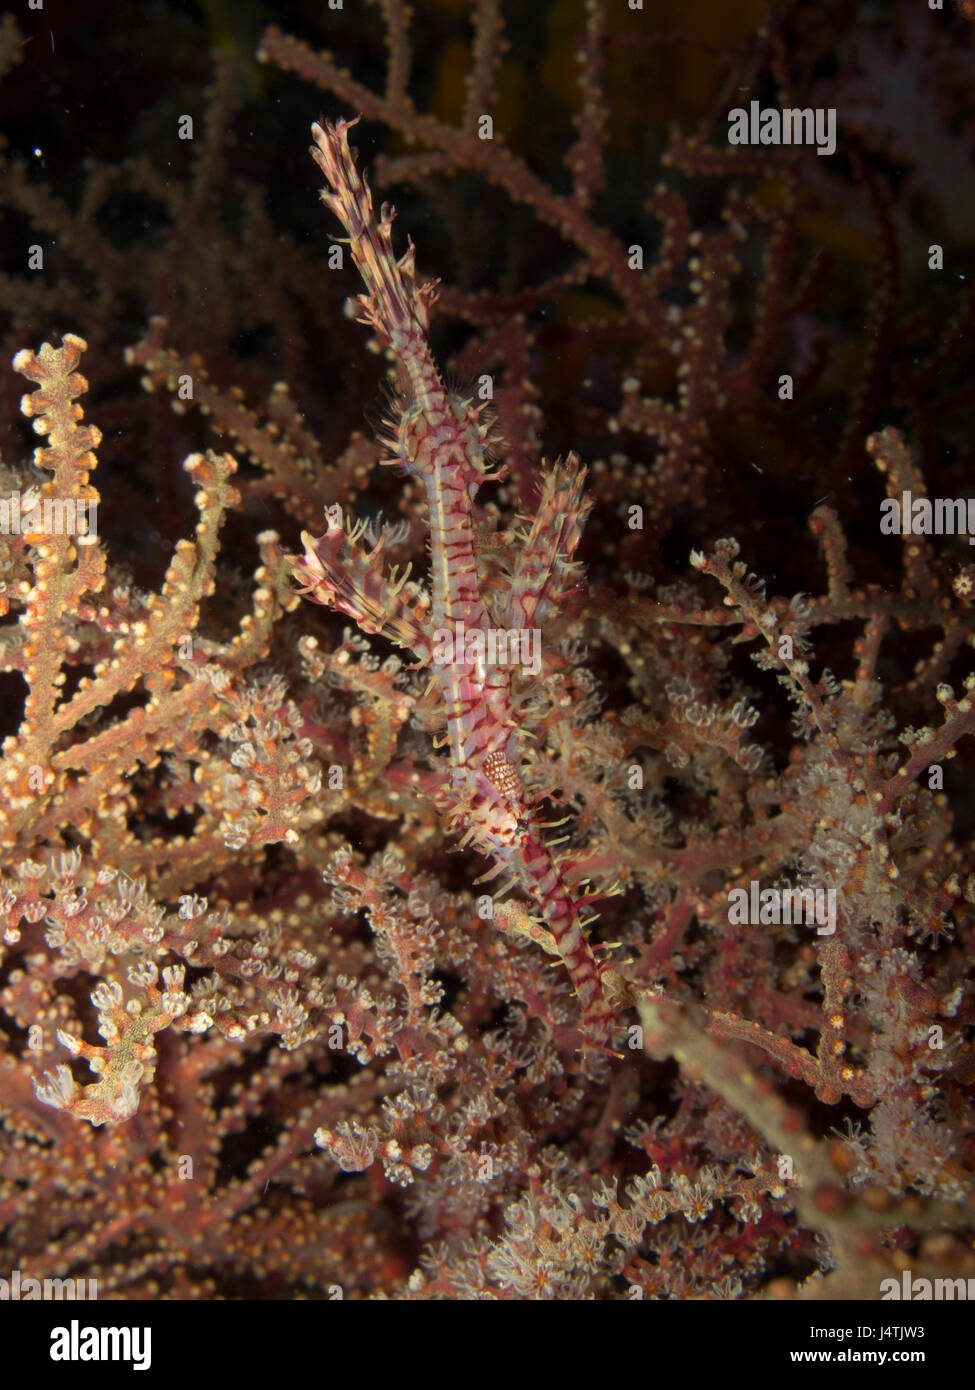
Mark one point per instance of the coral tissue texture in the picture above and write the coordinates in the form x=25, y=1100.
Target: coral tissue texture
x=487, y=688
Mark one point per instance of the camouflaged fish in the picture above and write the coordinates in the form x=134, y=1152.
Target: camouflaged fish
x=445, y=441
